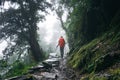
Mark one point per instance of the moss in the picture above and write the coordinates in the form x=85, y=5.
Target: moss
x=84, y=78
x=85, y=54
x=115, y=73
x=93, y=76
x=116, y=38
x=81, y=54
x=98, y=78
x=97, y=55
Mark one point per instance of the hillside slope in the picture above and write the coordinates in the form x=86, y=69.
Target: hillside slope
x=99, y=59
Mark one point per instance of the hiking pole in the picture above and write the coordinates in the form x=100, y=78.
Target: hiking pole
x=56, y=51
x=56, y=47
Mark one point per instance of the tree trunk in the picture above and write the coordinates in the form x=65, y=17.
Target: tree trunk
x=35, y=47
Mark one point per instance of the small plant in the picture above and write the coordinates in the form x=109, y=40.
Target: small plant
x=19, y=68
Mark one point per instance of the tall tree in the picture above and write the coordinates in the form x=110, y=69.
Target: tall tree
x=19, y=26
x=89, y=18
x=60, y=7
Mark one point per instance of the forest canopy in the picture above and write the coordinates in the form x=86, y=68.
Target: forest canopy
x=88, y=19
x=19, y=27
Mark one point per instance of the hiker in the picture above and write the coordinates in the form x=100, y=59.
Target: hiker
x=61, y=44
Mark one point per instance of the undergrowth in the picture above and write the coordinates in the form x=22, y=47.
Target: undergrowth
x=98, y=55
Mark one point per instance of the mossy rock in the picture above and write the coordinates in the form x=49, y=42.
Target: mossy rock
x=98, y=78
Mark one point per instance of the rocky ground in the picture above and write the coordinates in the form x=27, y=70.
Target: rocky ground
x=50, y=69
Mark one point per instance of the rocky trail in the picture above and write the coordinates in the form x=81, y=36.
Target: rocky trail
x=51, y=69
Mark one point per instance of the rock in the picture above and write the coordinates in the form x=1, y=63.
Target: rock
x=35, y=69
x=49, y=75
x=23, y=77
x=13, y=78
x=38, y=77
x=47, y=65
x=53, y=55
x=47, y=70
x=54, y=62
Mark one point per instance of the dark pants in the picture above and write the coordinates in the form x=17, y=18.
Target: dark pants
x=62, y=51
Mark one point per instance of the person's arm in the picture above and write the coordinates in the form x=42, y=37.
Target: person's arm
x=57, y=44
x=64, y=42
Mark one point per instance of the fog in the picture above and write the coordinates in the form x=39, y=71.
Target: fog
x=3, y=45
x=50, y=31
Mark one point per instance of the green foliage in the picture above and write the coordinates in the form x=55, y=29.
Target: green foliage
x=19, y=27
x=115, y=73
x=91, y=57
x=98, y=78
x=89, y=19
x=82, y=53
x=18, y=68
x=3, y=63
x=94, y=36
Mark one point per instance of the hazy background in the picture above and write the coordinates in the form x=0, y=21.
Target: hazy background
x=49, y=32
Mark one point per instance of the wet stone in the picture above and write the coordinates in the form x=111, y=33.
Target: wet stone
x=50, y=69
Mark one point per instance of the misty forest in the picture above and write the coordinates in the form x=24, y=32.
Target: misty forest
x=59, y=40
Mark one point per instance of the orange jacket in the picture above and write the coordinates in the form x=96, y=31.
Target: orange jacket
x=61, y=42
